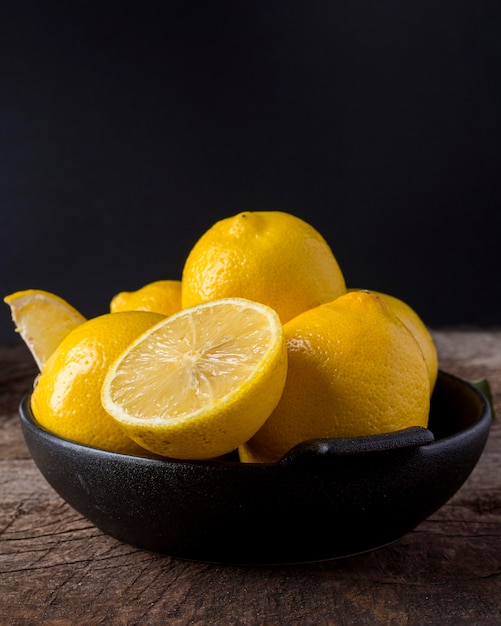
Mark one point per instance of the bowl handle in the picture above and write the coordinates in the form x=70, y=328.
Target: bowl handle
x=348, y=446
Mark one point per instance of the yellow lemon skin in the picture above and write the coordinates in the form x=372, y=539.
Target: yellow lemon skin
x=67, y=397
x=271, y=257
x=415, y=324
x=202, y=382
x=160, y=296
x=353, y=369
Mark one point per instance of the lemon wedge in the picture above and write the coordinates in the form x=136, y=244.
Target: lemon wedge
x=43, y=320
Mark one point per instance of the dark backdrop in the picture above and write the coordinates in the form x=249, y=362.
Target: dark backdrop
x=127, y=129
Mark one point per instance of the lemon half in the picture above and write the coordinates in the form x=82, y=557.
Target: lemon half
x=201, y=382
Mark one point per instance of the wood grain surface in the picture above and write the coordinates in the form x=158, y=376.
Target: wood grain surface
x=57, y=569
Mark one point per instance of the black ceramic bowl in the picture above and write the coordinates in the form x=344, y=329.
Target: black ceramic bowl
x=325, y=499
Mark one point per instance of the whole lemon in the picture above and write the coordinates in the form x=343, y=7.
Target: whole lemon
x=271, y=257
x=160, y=296
x=67, y=397
x=353, y=369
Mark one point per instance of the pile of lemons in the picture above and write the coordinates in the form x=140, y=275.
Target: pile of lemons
x=258, y=347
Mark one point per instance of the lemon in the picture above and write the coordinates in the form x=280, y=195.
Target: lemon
x=161, y=296
x=43, y=320
x=353, y=369
x=422, y=335
x=271, y=257
x=67, y=397
x=202, y=381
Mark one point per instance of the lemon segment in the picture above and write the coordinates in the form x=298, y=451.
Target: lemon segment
x=43, y=320
x=201, y=382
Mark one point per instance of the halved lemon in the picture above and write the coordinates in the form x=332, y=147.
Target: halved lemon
x=43, y=320
x=201, y=382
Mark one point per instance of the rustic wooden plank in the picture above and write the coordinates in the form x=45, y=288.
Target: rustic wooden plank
x=56, y=568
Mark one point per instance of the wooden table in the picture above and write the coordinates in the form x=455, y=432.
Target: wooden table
x=57, y=569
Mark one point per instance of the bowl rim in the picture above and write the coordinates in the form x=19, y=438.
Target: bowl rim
x=408, y=437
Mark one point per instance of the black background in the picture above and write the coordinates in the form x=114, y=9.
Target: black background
x=127, y=129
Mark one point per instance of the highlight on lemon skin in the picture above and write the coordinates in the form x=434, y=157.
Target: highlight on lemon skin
x=271, y=257
x=202, y=381
x=42, y=319
x=353, y=369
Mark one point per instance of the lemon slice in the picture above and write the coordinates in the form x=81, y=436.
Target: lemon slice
x=43, y=320
x=201, y=382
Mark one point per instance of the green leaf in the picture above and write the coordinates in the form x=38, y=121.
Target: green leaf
x=482, y=384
